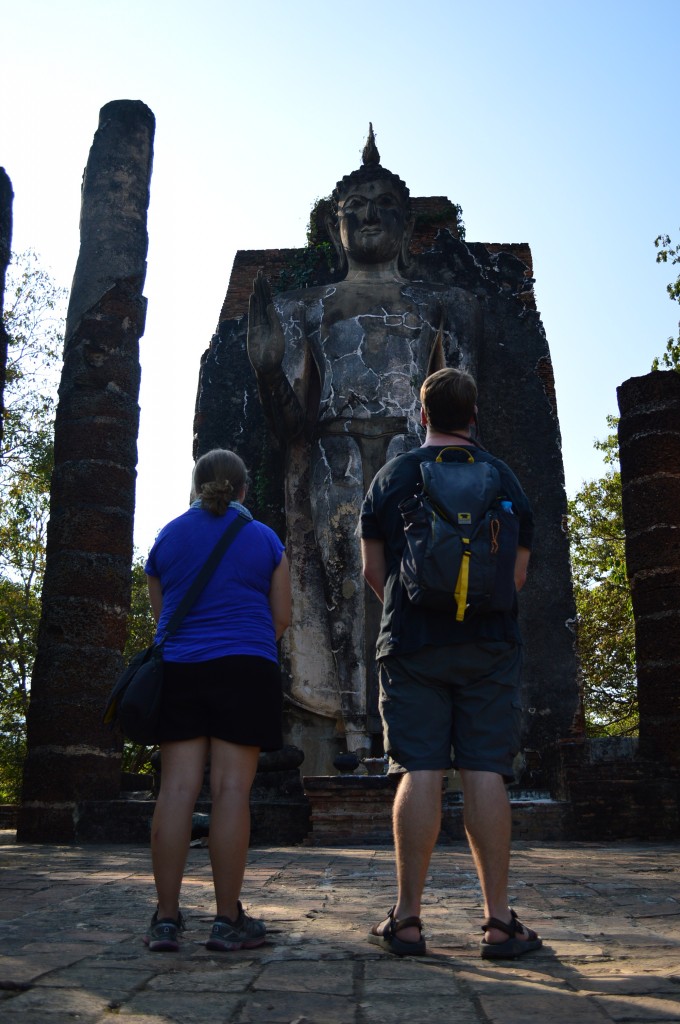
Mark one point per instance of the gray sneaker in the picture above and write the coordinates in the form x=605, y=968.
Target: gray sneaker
x=162, y=935
x=243, y=933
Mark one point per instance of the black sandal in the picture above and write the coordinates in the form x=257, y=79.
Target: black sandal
x=388, y=939
x=512, y=947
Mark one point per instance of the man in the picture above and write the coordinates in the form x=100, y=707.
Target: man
x=445, y=683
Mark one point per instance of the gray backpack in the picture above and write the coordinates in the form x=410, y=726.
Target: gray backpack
x=461, y=538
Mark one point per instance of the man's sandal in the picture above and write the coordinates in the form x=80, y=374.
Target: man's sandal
x=386, y=936
x=512, y=947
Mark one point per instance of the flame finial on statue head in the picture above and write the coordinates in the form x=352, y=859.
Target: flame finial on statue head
x=370, y=153
x=370, y=170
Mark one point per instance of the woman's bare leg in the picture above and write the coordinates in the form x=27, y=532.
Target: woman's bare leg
x=182, y=768
x=232, y=770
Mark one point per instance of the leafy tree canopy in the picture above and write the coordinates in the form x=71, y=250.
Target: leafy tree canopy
x=33, y=319
x=141, y=631
x=669, y=253
x=606, y=629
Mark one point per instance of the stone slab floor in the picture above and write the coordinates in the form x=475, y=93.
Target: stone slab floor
x=72, y=917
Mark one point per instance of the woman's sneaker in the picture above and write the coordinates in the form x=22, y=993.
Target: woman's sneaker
x=243, y=933
x=162, y=935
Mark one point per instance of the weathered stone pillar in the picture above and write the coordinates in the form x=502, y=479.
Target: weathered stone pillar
x=6, y=197
x=86, y=592
x=649, y=439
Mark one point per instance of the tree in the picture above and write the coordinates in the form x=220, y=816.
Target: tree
x=606, y=628
x=606, y=625
x=669, y=253
x=33, y=319
x=23, y=524
x=141, y=631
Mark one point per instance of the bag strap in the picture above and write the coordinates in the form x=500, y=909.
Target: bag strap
x=204, y=574
x=455, y=448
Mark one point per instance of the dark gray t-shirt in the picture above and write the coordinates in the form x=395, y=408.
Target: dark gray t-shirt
x=404, y=627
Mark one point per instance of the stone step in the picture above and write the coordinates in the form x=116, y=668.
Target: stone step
x=279, y=820
x=357, y=810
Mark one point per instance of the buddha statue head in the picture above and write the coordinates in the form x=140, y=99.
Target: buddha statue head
x=371, y=225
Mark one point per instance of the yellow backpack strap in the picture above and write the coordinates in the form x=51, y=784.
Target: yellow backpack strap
x=461, y=589
x=455, y=448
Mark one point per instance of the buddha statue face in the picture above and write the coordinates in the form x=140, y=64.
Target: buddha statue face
x=372, y=220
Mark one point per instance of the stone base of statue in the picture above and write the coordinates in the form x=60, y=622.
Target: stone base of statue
x=279, y=808
x=348, y=810
x=356, y=810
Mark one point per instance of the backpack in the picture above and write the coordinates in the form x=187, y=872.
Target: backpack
x=461, y=538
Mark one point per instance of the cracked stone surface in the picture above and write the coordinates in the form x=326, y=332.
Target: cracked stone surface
x=72, y=920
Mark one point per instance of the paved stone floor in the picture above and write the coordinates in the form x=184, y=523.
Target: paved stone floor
x=71, y=920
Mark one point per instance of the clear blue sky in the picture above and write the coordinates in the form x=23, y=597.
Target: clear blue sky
x=549, y=122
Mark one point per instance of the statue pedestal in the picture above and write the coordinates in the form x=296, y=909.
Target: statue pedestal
x=350, y=810
x=356, y=810
x=279, y=810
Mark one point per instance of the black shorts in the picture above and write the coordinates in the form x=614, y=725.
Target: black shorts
x=464, y=696
x=237, y=698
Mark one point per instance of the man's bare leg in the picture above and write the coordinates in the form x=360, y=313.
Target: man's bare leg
x=488, y=825
x=416, y=820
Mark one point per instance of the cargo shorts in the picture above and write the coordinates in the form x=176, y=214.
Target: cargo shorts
x=463, y=698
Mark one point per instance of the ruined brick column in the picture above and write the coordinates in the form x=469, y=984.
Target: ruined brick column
x=86, y=593
x=6, y=197
x=649, y=438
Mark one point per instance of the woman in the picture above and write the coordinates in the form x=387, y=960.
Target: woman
x=222, y=695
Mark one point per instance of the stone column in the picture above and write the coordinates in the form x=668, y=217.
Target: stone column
x=649, y=439
x=86, y=592
x=6, y=197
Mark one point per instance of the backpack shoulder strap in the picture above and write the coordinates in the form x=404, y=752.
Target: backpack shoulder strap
x=456, y=448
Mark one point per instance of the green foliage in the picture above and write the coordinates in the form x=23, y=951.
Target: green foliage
x=671, y=356
x=317, y=231
x=141, y=631
x=431, y=220
x=303, y=268
x=311, y=265
x=141, y=623
x=667, y=253
x=33, y=319
x=606, y=630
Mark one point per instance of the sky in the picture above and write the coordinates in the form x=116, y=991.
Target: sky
x=549, y=122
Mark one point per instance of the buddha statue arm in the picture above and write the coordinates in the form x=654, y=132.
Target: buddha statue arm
x=266, y=349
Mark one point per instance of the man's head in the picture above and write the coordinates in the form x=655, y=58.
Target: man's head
x=449, y=400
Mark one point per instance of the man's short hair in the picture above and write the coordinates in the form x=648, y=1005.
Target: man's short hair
x=449, y=398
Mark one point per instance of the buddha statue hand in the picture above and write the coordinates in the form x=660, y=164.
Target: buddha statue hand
x=266, y=343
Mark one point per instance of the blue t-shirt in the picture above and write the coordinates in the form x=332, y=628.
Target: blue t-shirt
x=232, y=614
